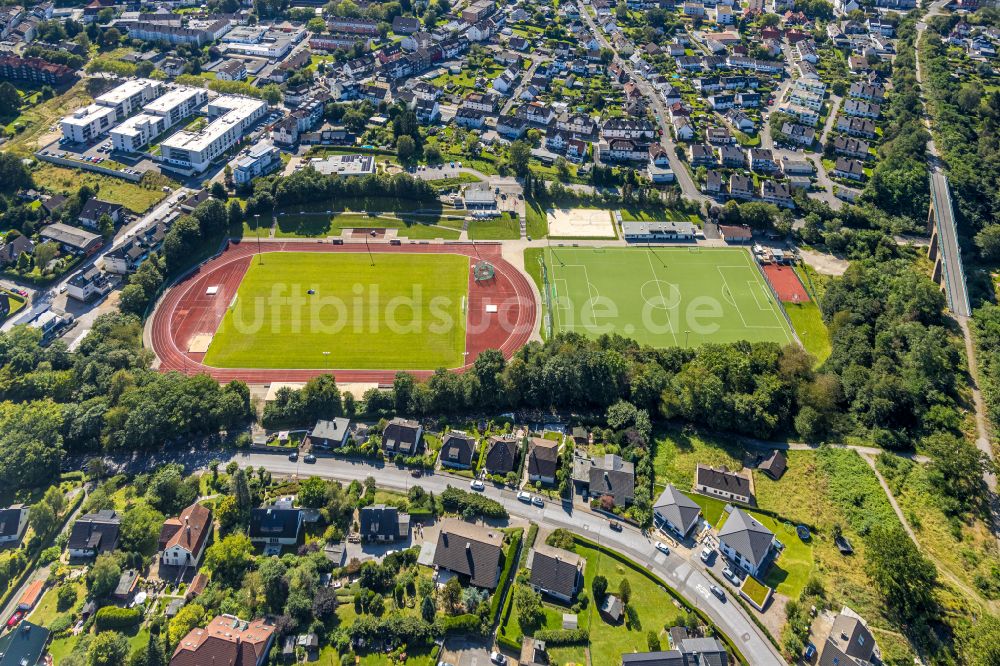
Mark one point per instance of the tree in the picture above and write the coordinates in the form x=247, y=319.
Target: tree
x=108, y=648
x=405, y=148
x=14, y=175
x=106, y=226
x=228, y=513
x=599, y=586
x=451, y=594
x=956, y=471
x=155, y=654
x=140, y=528
x=110, y=37
x=625, y=591
x=518, y=157
x=219, y=191
x=432, y=153
x=988, y=242
x=235, y=213
x=272, y=576
x=45, y=252
x=902, y=576
x=66, y=596
x=428, y=609
x=241, y=491
x=229, y=558
x=42, y=519
x=313, y=492
x=10, y=101
x=187, y=618
x=102, y=579
x=528, y=605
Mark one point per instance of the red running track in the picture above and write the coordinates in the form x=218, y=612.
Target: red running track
x=186, y=310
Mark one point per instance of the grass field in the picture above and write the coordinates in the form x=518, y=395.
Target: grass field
x=808, y=323
x=497, y=228
x=133, y=196
x=406, y=312
x=663, y=297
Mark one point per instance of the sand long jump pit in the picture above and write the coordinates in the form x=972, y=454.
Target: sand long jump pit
x=580, y=223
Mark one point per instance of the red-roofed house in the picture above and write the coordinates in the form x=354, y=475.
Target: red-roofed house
x=226, y=640
x=183, y=539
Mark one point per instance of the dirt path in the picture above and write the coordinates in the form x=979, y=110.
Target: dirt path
x=823, y=263
x=952, y=578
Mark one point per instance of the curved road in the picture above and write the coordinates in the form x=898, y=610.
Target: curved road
x=685, y=576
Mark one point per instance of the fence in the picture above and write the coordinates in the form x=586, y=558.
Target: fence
x=87, y=166
x=777, y=299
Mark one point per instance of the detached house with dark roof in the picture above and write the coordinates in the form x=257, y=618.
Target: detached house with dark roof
x=94, y=209
x=13, y=523
x=274, y=526
x=555, y=572
x=472, y=551
x=850, y=643
x=402, y=437
x=383, y=523
x=723, y=484
x=745, y=541
x=330, y=434
x=458, y=450
x=543, y=460
x=501, y=454
x=607, y=475
x=93, y=534
x=676, y=511
x=227, y=640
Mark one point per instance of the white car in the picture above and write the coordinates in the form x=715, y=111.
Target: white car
x=498, y=658
x=537, y=501
x=477, y=484
x=706, y=554
x=662, y=547
x=524, y=497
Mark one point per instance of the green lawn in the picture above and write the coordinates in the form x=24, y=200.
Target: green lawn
x=133, y=196
x=808, y=323
x=497, y=228
x=404, y=312
x=663, y=297
x=653, y=213
x=537, y=220
x=677, y=453
x=651, y=602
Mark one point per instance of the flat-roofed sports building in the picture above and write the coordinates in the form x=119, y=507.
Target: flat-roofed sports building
x=158, y=116
x=230, y=115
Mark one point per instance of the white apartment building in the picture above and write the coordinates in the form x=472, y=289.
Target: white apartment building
x=158, y=116
x=805, y=115
x=86, y=124
x=131, y=96
x=230, y=115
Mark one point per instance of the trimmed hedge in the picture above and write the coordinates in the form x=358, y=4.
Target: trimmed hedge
x=563, y=636
x=112, y=617
x=505, y=575
x=466, y=623
x=457, y=500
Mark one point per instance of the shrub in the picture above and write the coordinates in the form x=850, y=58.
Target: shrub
x=60, y=624
x=112, y=617
x=463, y=502
x=563, y=636
x=467, y=623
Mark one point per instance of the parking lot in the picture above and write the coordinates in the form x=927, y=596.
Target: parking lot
x=101, y=154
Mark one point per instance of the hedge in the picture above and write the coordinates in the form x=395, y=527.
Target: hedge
x=457, y=500
x=112, y=617
x=505, y=575
x=466, y=623
x=563, y=636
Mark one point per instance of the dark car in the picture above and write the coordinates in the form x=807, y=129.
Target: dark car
x=310, y=458
x=293, y=456
x=416, y=473
x=616, y=526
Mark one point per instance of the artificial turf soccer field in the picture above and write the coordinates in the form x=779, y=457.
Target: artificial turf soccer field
x=372, y=328
x=663, y=297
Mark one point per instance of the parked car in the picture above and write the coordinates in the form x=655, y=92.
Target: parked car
x=717, y=591
x=524, y=497
x=616, y=526
x=310, y=458
x=662, y=547
x=731, y=576
x=498, y=658
x=293, y=456
x=416, y=473
x=537, y=501
x=706, y=554
x=477, y=484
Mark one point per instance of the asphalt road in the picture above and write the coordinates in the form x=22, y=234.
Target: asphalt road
x=685, y=576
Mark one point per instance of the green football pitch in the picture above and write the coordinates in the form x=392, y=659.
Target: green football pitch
x=405, y=312
x=663, y=297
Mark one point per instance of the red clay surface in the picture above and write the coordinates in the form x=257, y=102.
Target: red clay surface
x=786, y=283
x=186, y=310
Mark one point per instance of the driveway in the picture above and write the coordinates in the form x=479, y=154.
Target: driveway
x=466, y=652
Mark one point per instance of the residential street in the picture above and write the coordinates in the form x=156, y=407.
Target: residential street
x=685, y=576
